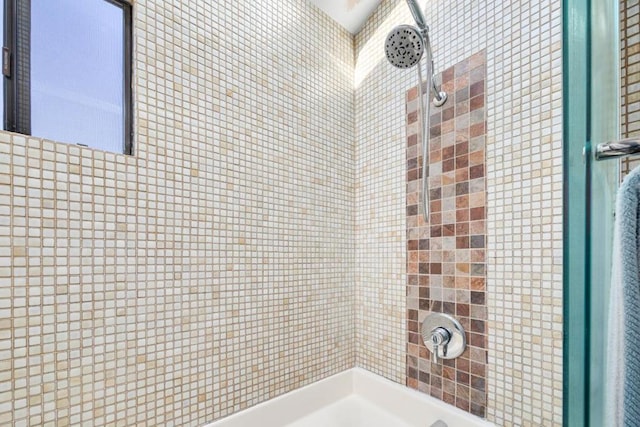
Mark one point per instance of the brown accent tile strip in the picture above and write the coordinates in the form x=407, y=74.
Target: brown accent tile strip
x=446, y=258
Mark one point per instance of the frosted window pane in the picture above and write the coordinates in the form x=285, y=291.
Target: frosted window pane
x=77, y=72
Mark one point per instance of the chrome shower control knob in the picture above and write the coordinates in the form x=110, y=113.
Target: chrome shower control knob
x=443, y=336
x=440, y=337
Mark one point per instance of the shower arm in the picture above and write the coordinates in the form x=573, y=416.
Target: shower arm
x=421, y=22
x=418, y=16
x=439, y=98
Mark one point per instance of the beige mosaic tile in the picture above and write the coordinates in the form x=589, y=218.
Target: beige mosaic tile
x=380, y=197
x=214, y=269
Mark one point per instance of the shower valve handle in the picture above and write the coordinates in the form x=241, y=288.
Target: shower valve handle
x=440, y=337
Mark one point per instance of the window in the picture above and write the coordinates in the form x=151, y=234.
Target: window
x=67, y=68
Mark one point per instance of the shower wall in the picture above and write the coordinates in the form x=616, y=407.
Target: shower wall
x=212, y=270
x=522, y=41
x=380, y=198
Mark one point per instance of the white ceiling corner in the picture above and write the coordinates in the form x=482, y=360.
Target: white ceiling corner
x=351, y=14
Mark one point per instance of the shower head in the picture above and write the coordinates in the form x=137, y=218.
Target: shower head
x=404, y=46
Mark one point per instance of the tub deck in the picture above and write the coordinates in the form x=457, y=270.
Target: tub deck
x=353, y=398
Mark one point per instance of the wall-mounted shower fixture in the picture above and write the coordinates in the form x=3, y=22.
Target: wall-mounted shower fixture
x=444, y=336
x=405, y=46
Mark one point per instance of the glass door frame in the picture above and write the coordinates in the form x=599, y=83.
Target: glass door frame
x=591, y=104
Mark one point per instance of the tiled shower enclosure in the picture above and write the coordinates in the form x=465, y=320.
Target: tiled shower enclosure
x=257, y=240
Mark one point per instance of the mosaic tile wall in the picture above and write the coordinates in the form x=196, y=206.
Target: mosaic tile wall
x=630, y=75
x=446, y=268
x=149, y=289
x=380, y=193
x=523, y=42
x=214, y=269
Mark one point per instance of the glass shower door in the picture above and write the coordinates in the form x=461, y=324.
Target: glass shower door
x=591, y=116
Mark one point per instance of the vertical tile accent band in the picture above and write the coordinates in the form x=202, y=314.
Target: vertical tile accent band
x=446, y=258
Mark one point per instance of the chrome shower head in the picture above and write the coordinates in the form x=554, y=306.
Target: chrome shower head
x=404, y=46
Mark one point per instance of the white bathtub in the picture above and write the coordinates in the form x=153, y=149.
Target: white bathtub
x=353, y=398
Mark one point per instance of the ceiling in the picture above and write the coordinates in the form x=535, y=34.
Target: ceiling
x=351, y=14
